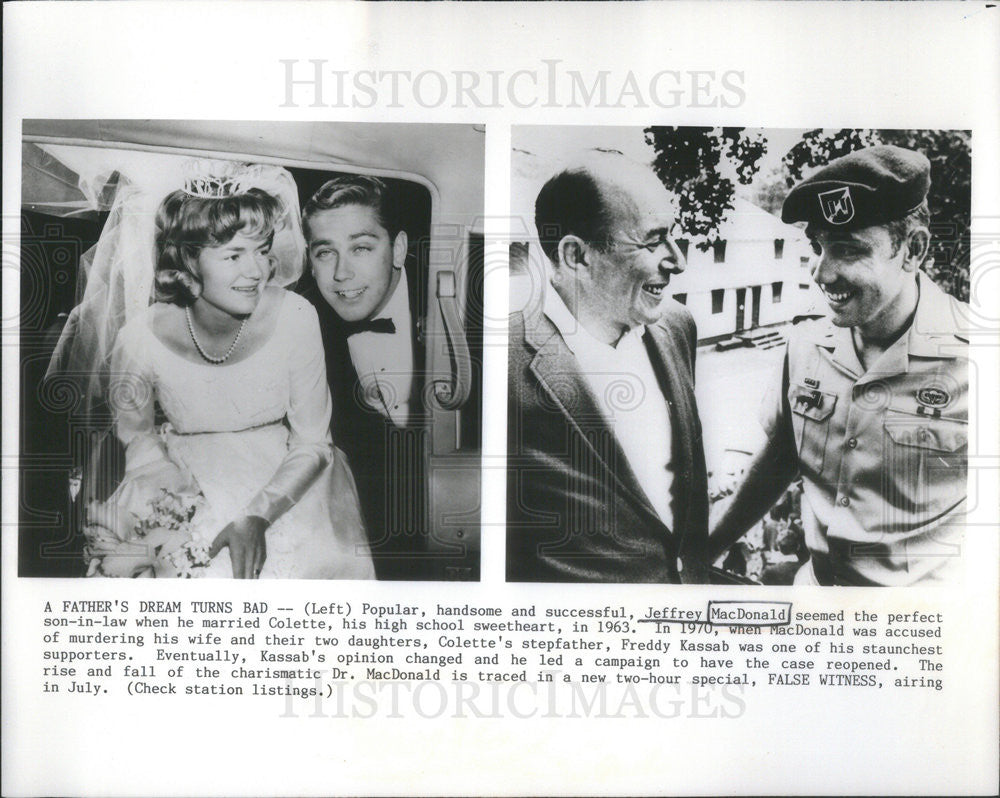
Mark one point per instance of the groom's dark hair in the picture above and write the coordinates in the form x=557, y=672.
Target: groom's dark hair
x=364, y=190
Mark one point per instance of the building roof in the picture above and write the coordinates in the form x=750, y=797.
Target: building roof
x=749, y=222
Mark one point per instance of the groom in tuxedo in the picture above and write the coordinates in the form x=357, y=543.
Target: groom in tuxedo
x=357, y=252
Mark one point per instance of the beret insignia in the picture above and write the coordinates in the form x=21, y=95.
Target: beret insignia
x=836, y=205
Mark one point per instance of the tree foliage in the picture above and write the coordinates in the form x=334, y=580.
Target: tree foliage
x=703, y=165
x=692, y=162
x=950, y=197
x=769, y=190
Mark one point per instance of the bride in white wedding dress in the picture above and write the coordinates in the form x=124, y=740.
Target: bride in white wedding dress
x=235, y=366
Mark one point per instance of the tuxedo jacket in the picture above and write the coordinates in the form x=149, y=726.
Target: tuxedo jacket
x=575, y=510
x=387, y=461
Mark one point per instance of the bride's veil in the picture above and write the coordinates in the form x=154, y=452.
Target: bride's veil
x=115, y=278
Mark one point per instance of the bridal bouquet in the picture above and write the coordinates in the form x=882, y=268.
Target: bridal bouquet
x=166, y=541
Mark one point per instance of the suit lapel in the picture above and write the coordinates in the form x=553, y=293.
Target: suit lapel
x=558, y=373
x=665, y=357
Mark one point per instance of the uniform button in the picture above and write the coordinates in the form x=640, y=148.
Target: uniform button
x=852, y=443
x=844, y=501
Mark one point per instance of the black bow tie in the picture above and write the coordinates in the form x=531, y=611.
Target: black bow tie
x=369, y=325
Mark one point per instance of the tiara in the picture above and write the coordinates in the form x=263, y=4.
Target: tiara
x=220, y=179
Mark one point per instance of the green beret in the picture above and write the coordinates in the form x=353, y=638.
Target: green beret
x=861, y=189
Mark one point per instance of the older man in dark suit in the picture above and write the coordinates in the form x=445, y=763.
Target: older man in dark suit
x=357, y=252
x=606, y=472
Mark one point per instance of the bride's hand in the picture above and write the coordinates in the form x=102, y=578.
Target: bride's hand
x=247, y=546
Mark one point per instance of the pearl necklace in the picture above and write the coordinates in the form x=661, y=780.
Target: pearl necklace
x=200, y=348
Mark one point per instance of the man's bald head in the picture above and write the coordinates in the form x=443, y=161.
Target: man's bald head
x=606, y=227
x=591, y=198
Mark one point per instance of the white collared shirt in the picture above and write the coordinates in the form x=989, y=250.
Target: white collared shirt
x=384, y=361
x=629, y=396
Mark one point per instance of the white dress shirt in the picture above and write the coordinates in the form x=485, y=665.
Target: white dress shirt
x=629, y=396
x=384, y=361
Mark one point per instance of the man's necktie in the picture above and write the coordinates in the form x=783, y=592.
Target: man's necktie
x=369, y=325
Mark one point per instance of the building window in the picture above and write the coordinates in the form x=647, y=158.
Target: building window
x=804, y=286
x=682, y=298
x=776, y=293
x=719, y=248
x=717, y=296
x=682, y=245
x=804, y=261
x=779, y=248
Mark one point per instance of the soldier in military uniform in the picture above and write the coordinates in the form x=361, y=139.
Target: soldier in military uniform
x=872, y=403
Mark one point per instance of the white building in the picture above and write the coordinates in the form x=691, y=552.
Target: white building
x=756, y=275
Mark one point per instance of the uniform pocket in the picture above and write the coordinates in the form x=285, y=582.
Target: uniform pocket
x=926, y=462
x=811, y=412
x=920, y=432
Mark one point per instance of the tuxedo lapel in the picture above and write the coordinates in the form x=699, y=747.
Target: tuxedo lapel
x=350, y=422
x=558, y=373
